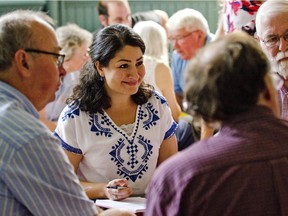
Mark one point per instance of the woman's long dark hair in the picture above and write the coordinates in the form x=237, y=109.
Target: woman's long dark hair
x=90, y=92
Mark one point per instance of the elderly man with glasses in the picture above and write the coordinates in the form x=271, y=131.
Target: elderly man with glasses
x=272, y=32
x=188, y=31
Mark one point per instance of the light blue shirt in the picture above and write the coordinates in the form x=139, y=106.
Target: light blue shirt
x=36, y=177
x=179, y=66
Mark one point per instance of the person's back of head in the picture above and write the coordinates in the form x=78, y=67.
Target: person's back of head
x=71, y=37
x=188, y=19
x=226, y=77
x=155, y=39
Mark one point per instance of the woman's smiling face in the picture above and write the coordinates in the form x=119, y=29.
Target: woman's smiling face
x=125, y=72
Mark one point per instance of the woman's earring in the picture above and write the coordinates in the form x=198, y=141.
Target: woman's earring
x=101, y=78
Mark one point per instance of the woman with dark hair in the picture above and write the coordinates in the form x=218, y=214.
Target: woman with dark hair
x=116, y=129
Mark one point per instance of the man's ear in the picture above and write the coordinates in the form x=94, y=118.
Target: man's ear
x=201, y=37
x=103, y=20
x=22, y=63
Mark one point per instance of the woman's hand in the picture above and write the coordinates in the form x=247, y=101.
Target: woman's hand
x=118, y=189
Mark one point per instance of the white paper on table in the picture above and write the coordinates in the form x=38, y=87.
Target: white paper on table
x=133, y=204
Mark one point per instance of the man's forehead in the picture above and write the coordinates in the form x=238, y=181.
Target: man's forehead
x=117, y=5
x=178, y=31
x=272, y=25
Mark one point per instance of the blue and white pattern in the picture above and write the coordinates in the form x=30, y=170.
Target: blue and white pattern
x=108, y=152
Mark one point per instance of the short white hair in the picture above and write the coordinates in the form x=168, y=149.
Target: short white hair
x=189, y=19
x=269, y=9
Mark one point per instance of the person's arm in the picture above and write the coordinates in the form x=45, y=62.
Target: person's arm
x=164, y=81
x=168, y=148
x=41, y=178
x=96, y=190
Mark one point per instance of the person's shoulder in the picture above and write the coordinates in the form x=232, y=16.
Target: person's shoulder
x=157, y=97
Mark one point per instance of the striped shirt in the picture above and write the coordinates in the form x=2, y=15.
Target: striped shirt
x=36, y=177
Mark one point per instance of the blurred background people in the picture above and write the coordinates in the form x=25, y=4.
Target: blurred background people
x=242, y=170
x=272, y=32
x=116, y=129
x=188, y=31
x=158, y=74
x=156, y=61
x=74, y=42
x=119, y=12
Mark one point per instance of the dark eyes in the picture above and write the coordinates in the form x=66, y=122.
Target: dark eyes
x=139, y=63
x=124, y=66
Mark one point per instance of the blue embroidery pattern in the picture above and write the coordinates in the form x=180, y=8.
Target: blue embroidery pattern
x=73, y=110
x=161, y=99
x=152, y=117
x=136, y=166
x=97, y=128
x=136, y=149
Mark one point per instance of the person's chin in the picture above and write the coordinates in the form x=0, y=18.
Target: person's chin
x=282, y=68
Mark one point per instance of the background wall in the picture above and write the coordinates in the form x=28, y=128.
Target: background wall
x=84, y=13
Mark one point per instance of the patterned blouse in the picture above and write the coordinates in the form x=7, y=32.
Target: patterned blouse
x=108, y=151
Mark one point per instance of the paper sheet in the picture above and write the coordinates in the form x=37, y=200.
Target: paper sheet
x=134, y=204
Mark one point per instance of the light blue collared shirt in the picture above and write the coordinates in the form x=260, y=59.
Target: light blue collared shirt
x=36, y=177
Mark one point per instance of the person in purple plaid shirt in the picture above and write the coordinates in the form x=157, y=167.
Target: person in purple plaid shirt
x=243, y=169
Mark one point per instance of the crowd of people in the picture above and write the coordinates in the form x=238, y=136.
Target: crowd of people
x=113, y=114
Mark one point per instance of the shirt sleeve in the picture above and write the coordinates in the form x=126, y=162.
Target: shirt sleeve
x=40, y=176
x=168, y=123
x=66, y=129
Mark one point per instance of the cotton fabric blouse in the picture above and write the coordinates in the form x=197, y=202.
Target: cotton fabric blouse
x=108, y=152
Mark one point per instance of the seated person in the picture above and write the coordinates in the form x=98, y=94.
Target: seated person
x=74, y=42
x=242, y=170
x=116, y=129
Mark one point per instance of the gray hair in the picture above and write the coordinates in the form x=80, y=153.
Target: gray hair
x=226, y=77
x=189, y=19
x=269, y=9
x=70, y=37
x=16, y=33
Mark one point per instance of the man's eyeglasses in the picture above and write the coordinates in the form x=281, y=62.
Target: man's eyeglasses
x=274, y=40
x=60, y=57
x=181, y=37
